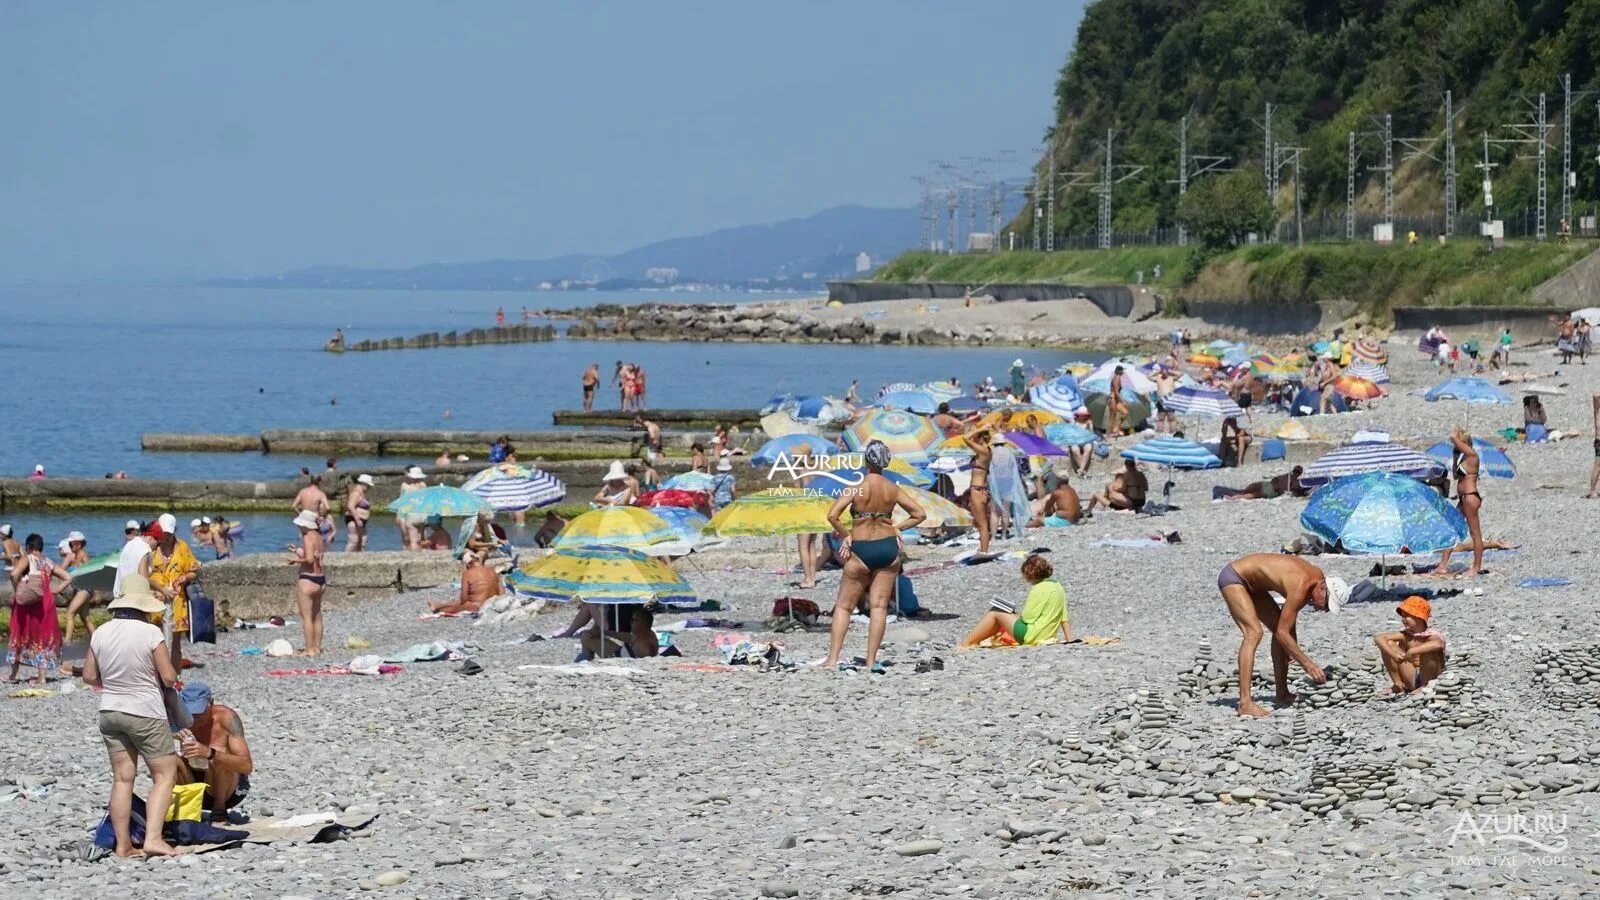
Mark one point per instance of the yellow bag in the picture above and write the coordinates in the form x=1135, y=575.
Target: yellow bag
x=188, y=802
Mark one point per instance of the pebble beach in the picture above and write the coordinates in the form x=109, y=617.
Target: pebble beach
x=1108, y=768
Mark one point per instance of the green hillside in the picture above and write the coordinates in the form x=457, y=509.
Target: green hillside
x=1328, y=65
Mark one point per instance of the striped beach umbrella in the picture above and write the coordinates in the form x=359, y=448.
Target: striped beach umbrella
x=1353, y=388
x=1383, y=513
x=615, y=526
x=1371, y=371
x=1060, y=396
x=942, y=390
x=510, y=487
x=1371, y=351
x=1493, y=460
x=1369, y=456
x=1172, y=451
x=793, y=445
x=1202, y=401
x=1135, y=384
x=439, y=500
x=941, y=512
x=898, y=386
x=776, y=511
x=915, y=400
x=1472, y=390
x=602, y=574
x=908, y=435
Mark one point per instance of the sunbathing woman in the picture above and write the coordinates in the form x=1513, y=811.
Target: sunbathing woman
x=978, y=441
x=1464, y=468
x=872, y=551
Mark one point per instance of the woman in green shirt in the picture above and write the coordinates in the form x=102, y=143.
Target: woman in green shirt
x=1043, y=617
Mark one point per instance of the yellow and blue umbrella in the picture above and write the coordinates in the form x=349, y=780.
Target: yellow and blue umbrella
x=1018, y=416
x=941, y=512
x=440, y=500
x=602, y=574
x=908, y=435
x=1382, y=513
x=615, y=526
x=686, y=524
x=776, y=511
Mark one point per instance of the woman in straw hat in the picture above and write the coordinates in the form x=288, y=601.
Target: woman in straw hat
x=129, y=662
x=311, y=580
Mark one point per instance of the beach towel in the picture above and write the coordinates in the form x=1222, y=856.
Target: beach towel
x=184, y=832
x=1543, y=582
x=384, y=669
x=431, y=652
x=587, y=668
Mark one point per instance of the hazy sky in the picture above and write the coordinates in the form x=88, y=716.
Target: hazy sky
x=162, y=138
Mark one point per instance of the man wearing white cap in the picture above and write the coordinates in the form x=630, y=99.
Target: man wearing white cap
x=1247, y=585
x=410, y=538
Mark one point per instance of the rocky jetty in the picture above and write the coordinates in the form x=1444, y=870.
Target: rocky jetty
x=504, y=334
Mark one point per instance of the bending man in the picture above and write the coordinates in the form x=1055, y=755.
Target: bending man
x=1247, y=584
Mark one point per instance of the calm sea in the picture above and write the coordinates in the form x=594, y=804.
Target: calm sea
x=86, y=370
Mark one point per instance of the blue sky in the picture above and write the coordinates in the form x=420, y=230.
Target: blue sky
x=161, y=139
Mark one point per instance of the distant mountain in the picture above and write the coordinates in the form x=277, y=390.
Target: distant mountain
x=796, y=252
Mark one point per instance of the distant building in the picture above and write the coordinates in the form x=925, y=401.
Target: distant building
x=863, y=262
x=661, y=274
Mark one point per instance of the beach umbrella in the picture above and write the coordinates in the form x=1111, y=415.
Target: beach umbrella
x=793, y=445
x=908, y=435
x=778, y=424
x=1371, y=351
x=1202, y=401
x=1368, y=457
x=602, y=574
x=941, y=512
x=1138, y=412
x=1371, y=371
x=1219, y=345
x=807, y=407
x=1172, y=451
x=916, y=400
x=512, y=488
x=1205, y=359
x=98, y=573
x=775, y=511
x=1236, y=356
x=1067, y=434
x=1012, y=416
x=1472, y=390
x=1033, y=445
x=897, y=386
x=691, y=481
x=439, y=500
x=615, y=526
x=1352, y=388
x=672, y=498
x=911, y=473
x=1060, y=396
x=1493, y=460
x=775, y=403
x=1588, y=314
x=967, y=404
x=1135, y=384
x=942, y=390
x=685, y=522
x=1383, y=513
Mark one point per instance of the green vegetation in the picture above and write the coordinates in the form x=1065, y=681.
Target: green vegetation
x=1066, y=266
x=1328, y=66
x=1223, y=212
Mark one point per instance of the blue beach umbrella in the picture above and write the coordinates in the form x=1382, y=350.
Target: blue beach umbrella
x=440, y=500
x=1173, y=451
x=808, y=407
x=1067, y=434
x=691, y=481
x=1202, y=401
x=685, y=523
x=793, y=445
x=1495, y=462
x=942, y=390
x=1060, y=396
x=967, y=404
x=1472, y=390
x=915, y=400
x=1366, y=457
x=853, y=478
x=1383, y=513
x=512, y=488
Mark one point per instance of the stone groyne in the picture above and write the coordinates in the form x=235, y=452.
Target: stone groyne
x=501, y=334
x=680, y=428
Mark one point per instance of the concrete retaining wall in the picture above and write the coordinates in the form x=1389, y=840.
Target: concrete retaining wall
x=257, y=585
x=1254, y=317
x=1525, y=322
x=1113, y=299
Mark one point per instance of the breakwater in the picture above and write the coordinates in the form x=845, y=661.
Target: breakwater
x=430, y=442
x=501, y=334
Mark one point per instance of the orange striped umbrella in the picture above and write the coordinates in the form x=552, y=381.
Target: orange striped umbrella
x=1352, y=388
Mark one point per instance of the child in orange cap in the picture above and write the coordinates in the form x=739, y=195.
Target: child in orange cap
x=1414, y=655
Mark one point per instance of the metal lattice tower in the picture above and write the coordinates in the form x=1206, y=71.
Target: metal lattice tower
x=1268, y=161
x=1183, y=173
x=1046, y=175
x=1105, y=196
x=1542, y=227
x=1449, y=166
x=1566, y=150
x=1350, y=189
x=1388, y=169
x=925, y=213
x=1488, y=181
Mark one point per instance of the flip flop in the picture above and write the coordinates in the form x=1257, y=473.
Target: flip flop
x=878, y=669
x=846, y=667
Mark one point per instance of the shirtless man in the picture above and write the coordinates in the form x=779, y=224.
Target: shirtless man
x=312, y=498
x=1116, y=407
x=1166, y=382
x=591, y=381
x=217, y=737
x=479, y=584
x=1266, y=488
x=1127, y=490
x=1062, y=502
x=1246, y=584
x=948, y=424
x=652, y=433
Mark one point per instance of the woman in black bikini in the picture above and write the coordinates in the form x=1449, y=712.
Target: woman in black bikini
x=1464, y=468
x=871, y=552
x=978, y=492
x=311, y=581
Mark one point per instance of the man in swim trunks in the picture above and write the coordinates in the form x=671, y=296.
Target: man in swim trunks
x=1266, y=488
x=1127, y=490
x=591, y=380
x=1062, y=503
x=1116, y=407
x=1247, y=584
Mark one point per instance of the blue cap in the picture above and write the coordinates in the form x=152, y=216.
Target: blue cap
x=196, y=696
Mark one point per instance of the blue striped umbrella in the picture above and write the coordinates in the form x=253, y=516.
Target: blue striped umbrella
x=942, y=390
x=1472, y=390
x=1373, y=456
x=792, y=445
x=1067, y=434
x=1060, y=396
x=512, y=488
x=1494, y=461
x=1173, y=451
x=602, y=574
x=440, y=500
x=1371, y=371
x=1202, y=401
x=1383, y=513
x=916, y=400
x=898, y=386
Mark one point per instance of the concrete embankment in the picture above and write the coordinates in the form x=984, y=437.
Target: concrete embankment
x=258, y=585
x=1114, y=300
x=682, y=418
x=503, y=334
x=599, y=441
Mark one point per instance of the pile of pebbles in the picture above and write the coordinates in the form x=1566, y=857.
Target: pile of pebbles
x=1570, y=677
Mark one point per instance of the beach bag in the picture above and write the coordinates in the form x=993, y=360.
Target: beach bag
x=799, y=607
x=1272, y=448
x=30, y=590
x=188, y=802
x=906, y=597
x=202, y=616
